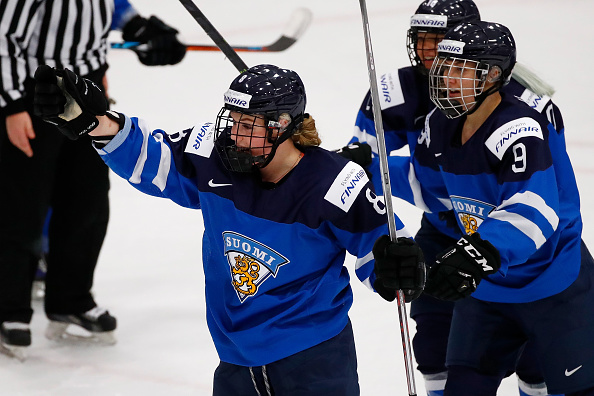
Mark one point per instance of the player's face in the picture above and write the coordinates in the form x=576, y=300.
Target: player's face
x=459, y=80
x=427, y=47
x=249, y=133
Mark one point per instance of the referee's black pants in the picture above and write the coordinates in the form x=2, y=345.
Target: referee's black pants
x=69, y=177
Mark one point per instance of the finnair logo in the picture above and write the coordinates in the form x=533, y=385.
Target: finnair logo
x=200, y=135
x=238, y=99
x=201, y=140
x=451, y=46
x=390, y=90
x=535, y=101
x=424, y=20
x=509, y=133
x=385, y=89
x=347, y=186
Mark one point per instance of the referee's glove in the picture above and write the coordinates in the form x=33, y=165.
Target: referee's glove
x=161, y=46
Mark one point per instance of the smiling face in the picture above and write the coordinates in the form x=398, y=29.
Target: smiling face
x=426, y=47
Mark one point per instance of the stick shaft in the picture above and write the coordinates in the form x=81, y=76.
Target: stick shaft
x=214, y=35
x=383, y=157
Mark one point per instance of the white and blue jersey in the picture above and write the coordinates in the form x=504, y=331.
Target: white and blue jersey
x=273, y=257
x=512, y=181
x=405, y=103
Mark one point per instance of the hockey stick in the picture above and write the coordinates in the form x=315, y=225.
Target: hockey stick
x=383, y=157
x=298, y=23
x=214, y=35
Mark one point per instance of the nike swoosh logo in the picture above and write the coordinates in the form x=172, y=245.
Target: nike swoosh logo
x=438, y=154
x=568, y=373
x=212, y=184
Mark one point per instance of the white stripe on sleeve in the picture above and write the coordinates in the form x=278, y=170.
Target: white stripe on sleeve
x=139, y=167
x=535, y=201
x=526, y=226
x=160, y=179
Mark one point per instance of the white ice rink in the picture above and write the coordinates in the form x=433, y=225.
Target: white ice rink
x=150, y=273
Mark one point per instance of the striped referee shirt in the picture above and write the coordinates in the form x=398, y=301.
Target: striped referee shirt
x=60, y=33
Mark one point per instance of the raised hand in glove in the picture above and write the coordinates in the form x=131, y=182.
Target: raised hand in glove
x=68, y=101
x=161, y=46
x=398, y=266
x=459, y=270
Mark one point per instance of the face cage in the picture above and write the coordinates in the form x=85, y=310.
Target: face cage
x=455, y=84
x=241, y=158
x=412, y=41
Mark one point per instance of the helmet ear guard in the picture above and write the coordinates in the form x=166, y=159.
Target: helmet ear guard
x=494, y=75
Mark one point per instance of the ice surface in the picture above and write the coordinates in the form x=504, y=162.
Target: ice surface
x=150, y=275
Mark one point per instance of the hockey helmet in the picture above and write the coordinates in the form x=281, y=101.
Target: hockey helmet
x=435, y=18
x=261, y=95
x=478, y=51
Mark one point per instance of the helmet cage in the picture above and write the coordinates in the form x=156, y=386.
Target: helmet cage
x=453, y=89
x=413, y=49
x=256, y=149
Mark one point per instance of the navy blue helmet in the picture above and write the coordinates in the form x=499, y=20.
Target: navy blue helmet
x=487, y=42
x=264, y=93
x=479, y=51
x=433, y=18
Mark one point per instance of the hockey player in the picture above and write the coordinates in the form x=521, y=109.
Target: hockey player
x=405, y=102
x=276, y=232
x=521, y=273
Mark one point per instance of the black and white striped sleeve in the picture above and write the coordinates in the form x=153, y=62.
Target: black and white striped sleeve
x=18, y=19
x=60, y=33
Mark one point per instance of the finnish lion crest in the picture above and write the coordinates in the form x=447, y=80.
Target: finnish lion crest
x=250, y=263
x=470, y=212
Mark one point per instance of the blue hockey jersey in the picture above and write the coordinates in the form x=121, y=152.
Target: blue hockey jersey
x=272, y=255
x=405, y=103
x=512, y=181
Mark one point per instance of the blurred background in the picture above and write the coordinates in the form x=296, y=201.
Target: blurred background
x=150, y=272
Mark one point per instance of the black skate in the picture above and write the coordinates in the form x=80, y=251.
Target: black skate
x=97, y=323
x=15, y=337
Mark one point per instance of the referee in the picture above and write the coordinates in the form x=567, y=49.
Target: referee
x=40, y=169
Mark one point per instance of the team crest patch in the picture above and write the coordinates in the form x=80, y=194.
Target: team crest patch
x=471, y=213
x=250, y=262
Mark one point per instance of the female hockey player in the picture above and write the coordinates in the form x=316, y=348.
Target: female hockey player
x=279, y=215
x=405, y=103
x=521, y=273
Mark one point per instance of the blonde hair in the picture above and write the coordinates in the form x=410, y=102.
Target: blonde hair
x=307, y=134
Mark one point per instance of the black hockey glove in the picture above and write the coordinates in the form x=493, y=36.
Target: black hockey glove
x=359, y=153
x=398, y=266
x=68, y=101
x=459, y=270
x=161, y=46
